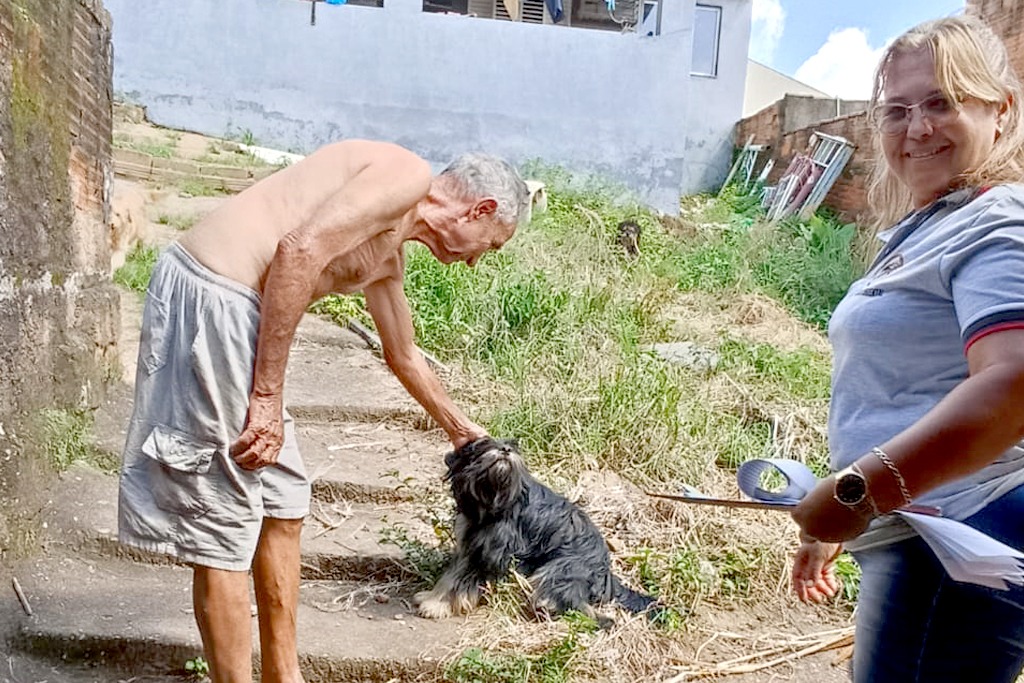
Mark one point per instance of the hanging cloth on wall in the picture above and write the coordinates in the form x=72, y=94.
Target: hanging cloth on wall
x=555, y=10
x=611, y=5
x=512, y=7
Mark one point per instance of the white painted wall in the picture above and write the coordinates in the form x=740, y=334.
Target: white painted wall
x=617, y=104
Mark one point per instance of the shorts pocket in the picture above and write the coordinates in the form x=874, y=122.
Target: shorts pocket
x=155, y=337
x=181, y=479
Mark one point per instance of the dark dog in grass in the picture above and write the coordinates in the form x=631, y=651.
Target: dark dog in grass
x=503, y=517
x=628, y=237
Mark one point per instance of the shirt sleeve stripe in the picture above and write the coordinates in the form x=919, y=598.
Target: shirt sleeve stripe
x=1006, y=320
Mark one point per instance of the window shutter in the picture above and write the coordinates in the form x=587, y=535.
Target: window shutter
x=533, y=12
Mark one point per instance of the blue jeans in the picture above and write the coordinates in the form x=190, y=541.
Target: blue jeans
x=915, y=624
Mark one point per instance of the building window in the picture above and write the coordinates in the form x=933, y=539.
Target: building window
x=446, y=6
x=620, y=15
x=650, y=18
x=707, y=24
x=360, y=3
x=624, y=16
x=527, y=11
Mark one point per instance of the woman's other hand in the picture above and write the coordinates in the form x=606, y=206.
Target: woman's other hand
x=814, y=578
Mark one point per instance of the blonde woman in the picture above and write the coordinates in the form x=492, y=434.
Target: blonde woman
x=928, y=381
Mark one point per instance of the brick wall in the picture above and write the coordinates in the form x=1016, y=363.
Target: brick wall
x=765, y=126
x=1006, y=17
x=58, y=309
x=848, y=195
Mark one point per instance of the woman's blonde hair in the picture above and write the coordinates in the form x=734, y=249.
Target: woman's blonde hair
x=970, y=62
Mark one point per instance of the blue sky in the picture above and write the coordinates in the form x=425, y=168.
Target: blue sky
x=834, y=45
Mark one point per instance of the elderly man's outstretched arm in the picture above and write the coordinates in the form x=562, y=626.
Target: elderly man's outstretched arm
x=386, y=302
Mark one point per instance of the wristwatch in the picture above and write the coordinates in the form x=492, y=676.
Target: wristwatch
x=851, y=490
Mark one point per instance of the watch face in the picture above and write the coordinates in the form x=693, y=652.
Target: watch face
x=851, y=488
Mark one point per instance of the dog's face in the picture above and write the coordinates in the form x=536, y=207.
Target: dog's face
x=487, y=476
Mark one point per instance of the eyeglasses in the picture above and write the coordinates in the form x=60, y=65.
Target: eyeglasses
x=893, y=118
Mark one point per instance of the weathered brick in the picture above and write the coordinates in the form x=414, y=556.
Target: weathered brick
x=1006, y=17
x=59, y=321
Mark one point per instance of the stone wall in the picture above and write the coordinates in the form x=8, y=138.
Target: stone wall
x=58, y=309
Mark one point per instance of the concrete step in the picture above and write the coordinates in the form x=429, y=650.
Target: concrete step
x=357, y=541
x=138, y=619
x=331, y=375
x=372, y=461
x=341, y=540
x=375, y=461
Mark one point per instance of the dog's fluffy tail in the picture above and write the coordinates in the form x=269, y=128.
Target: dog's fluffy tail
x=630, y=599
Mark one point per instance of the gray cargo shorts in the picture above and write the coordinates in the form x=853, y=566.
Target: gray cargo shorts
x=181, y=492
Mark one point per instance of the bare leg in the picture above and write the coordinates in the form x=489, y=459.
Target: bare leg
x=224, y=615
x=276, y=576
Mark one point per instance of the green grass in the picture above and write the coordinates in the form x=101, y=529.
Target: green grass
x=424, y=561
x=552, y=665
x=803, y=374
x=137, y=268
x=808, y=266
x=559, y=320
x=341, y=307
x=66, y=437
x=848, y=573
x=557, y=325
x=197, y=669
x=682, y=575
x=198, y=187
x=179, y=222
x=163, y=149
x=229, y=154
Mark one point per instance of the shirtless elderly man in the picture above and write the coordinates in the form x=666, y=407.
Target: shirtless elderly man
x=211, y=472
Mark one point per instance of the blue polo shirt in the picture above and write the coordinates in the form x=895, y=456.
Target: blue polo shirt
x=948, y=275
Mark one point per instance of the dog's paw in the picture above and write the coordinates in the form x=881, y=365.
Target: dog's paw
x=431, y=606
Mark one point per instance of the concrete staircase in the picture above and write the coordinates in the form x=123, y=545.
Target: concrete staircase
x=377, y=474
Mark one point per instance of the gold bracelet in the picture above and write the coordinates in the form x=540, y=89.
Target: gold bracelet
x=891, y=466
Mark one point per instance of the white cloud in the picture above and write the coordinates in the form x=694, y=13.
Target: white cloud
x=843, y=66
x=768, y=20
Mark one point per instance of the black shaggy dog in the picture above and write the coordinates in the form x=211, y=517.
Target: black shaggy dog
x=504, y=515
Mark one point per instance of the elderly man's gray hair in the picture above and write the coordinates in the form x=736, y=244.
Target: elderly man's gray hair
x=483, y=175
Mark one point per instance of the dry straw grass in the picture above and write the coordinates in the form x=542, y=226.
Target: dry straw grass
x=755, y=546
x=635, y=649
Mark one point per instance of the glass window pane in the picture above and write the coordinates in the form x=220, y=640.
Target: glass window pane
x=706, y=22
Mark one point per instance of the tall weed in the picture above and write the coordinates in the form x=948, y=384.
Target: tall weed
x=807, y=265
x=560, y=318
